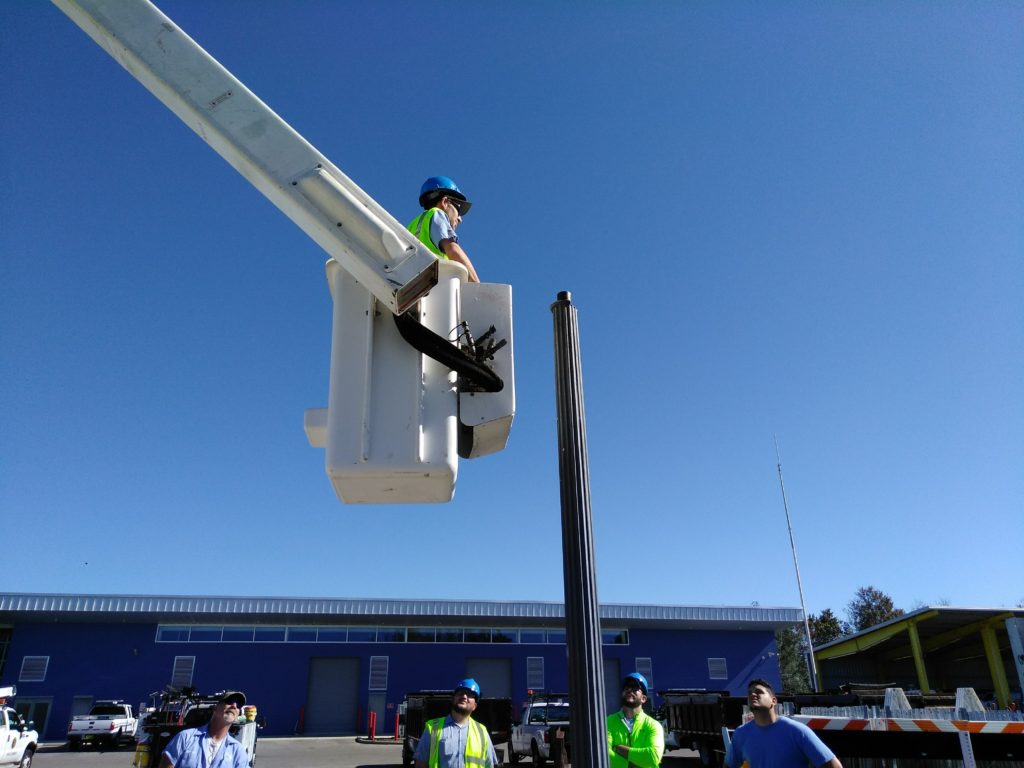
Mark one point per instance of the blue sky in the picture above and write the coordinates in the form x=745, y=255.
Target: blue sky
x=792, y=219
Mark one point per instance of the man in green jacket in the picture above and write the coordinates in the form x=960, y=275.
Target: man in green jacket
x=634, y=737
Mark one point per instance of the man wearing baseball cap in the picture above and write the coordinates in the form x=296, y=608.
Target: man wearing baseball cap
x=457, y=741
x=210, y=746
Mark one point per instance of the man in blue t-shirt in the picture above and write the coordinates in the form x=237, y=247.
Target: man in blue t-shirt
x=770, y=741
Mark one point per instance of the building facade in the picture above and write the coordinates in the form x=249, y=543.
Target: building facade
x=318, y=666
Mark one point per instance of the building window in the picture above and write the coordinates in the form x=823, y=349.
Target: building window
x=172, y=634
x=181, y=674
x=646, y=668
x=269, y=635
x=535, y=673
x=378, y=673
x=5, y=642
x=206, y=634
x=717, y=669
x=244, y=633
x=33, y=669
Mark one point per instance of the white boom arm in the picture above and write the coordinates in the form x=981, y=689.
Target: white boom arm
x=397, y=420
x=328, y=206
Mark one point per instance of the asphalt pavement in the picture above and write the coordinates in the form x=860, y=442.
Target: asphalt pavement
x=290, y=752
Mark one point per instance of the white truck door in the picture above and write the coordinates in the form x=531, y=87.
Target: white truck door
x=9, y=737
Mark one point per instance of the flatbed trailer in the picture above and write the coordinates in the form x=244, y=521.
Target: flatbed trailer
x=862, y=725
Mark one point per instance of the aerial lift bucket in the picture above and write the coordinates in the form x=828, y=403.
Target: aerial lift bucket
x=392, y=428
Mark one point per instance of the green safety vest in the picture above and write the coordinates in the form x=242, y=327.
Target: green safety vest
x=420, y=226
x=476, y=742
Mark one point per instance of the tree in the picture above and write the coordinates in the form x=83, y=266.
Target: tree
x=871, y=606
x=792, y=663
x=825, y=627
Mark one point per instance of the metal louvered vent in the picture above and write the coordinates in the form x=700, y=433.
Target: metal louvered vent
x=645, y=667
x=33, y=669
x=717, y=669
x=535, y=673
x=181, y=675
x=378, y=673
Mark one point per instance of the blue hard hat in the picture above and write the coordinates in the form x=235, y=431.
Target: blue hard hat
x=438, y=186
x=637, y=677
x=470, y=685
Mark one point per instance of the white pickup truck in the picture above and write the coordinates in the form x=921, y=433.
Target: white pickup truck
x=18, y=742
x=530, y=735
x=108, y=724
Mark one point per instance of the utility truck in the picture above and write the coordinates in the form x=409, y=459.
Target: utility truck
x=108, y=724
x=18, y=739
x=531, y=735
x=421, y=361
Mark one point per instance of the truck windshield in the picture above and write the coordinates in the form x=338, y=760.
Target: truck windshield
x=557, y=712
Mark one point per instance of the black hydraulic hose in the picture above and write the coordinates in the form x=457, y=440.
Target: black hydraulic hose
x=424, y=340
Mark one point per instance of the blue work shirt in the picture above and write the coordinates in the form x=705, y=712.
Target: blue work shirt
x=189, y=749
x=441, y=228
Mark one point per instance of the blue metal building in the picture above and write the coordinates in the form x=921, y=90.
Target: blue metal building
x=317, y=666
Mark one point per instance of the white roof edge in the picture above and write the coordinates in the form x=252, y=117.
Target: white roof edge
x=77, y=604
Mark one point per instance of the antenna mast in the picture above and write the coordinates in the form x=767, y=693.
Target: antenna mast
x=796, y=566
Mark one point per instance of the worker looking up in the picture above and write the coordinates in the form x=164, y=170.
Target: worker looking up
x=444, y=205
x=210, y=746
x=457, y=741
x=770, y=741
x=634, y=737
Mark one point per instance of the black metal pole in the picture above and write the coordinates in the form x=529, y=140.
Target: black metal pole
x=587, y=732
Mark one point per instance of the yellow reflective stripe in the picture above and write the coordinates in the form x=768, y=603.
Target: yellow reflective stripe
x=434, y=727
x=476, y=748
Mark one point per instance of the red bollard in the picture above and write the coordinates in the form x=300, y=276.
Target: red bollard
x=397, y=717
x=372, y=718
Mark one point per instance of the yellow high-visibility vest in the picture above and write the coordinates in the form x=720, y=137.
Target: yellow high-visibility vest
x=420, y=226
x=476, y=742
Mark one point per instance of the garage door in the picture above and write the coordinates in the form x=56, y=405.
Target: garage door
x=332, y=697
x=494, y=676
